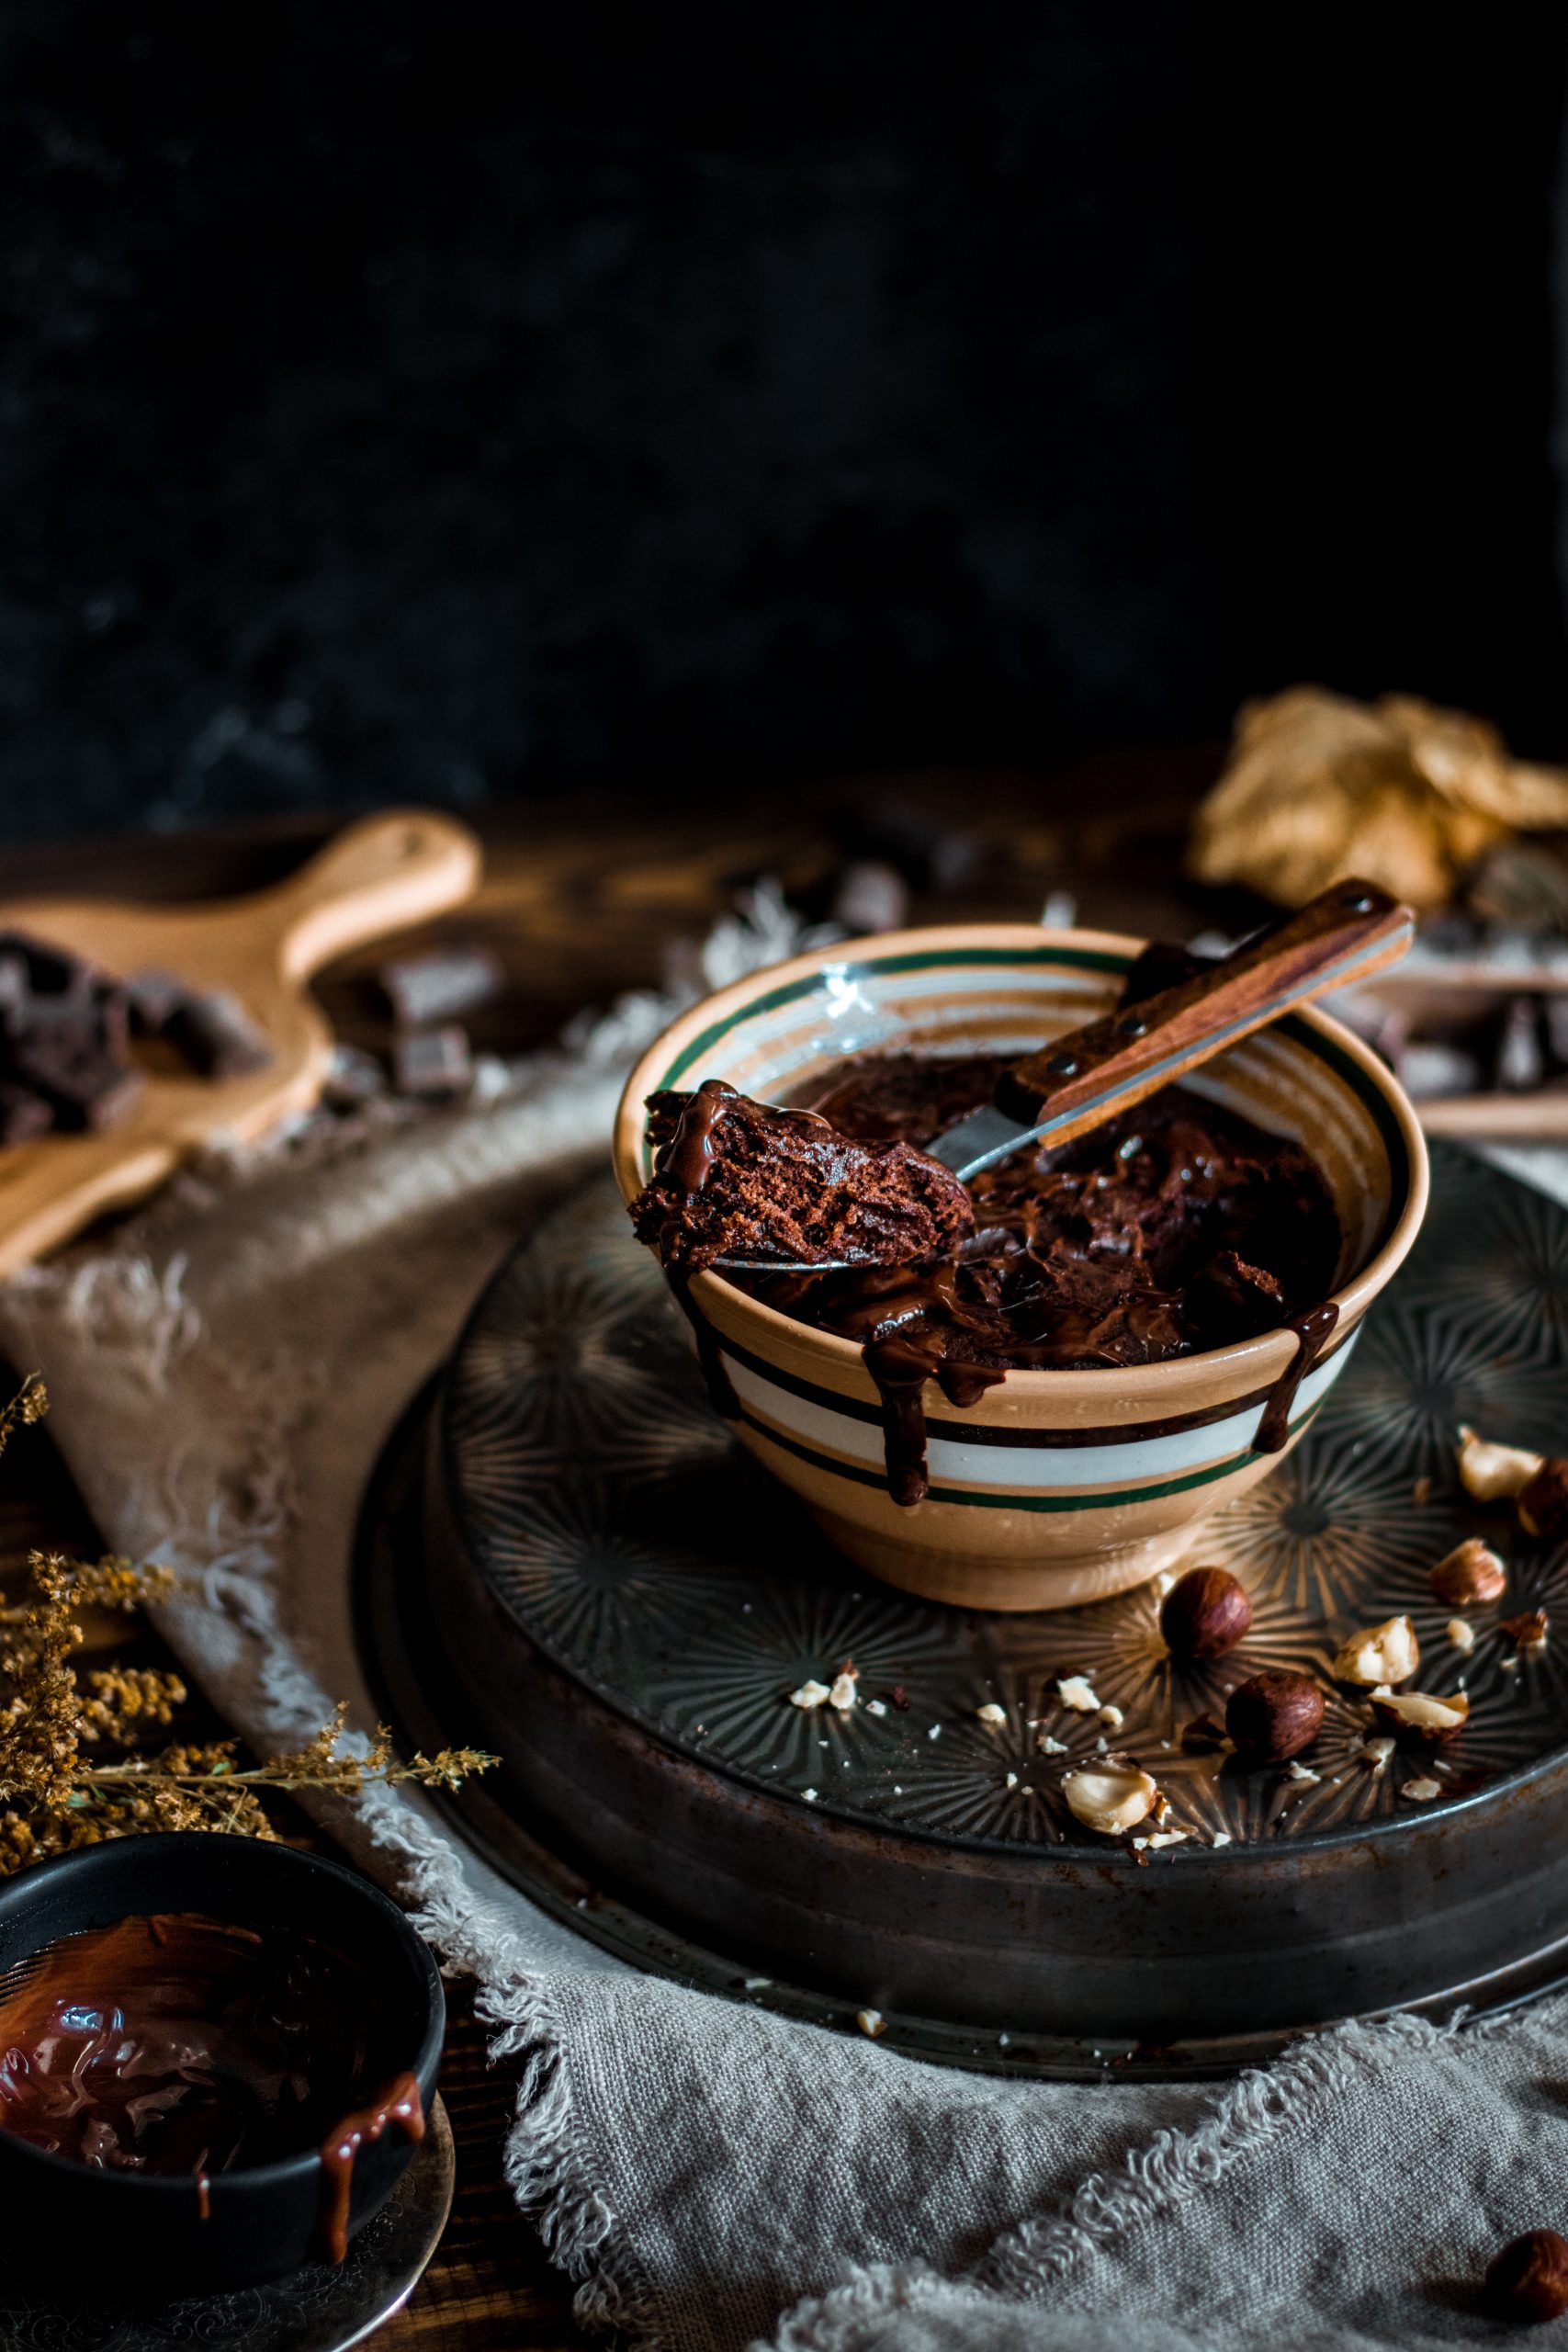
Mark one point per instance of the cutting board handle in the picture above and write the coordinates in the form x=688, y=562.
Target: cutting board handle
x=398, y=868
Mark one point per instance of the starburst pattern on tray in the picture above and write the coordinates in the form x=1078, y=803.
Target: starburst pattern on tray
x=1417, y=1375
x=1326, y=1530
x=628, y=1534
x=591, y=1582
x=1494, y=1256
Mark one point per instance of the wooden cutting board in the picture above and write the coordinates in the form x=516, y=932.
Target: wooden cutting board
x=392, y=870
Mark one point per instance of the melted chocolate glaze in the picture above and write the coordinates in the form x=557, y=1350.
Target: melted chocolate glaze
x=734, y=1178
x=1176, y=1227
x=177, y=2043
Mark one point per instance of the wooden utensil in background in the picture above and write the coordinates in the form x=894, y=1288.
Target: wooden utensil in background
x=378, y=877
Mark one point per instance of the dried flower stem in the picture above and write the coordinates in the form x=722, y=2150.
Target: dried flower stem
x=52, y=1801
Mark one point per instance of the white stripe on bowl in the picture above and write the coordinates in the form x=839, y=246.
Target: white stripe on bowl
x=1014, y=1468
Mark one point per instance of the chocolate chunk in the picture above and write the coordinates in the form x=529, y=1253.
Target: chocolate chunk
x=86, y=1083
x=447, y=981
x=218, y=1036
x=50, y=971
x=23, y=1115
x=433, y=1063
x=352, y=1078
x=929, y=855
x=153, y=998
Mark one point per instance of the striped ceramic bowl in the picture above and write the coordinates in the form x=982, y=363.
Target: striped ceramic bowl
x=1058, y=1486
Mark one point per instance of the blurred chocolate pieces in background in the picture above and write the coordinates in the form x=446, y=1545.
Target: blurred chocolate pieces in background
x=869, y=896
x=217, y=1035
x=929, y=855
x=440, y=985
x=66, y=1059
x=433, y=1064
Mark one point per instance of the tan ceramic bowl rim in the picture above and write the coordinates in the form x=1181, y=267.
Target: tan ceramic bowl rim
x=1243, y=1364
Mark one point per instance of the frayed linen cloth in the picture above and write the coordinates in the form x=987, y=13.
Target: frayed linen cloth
x=224, y=1371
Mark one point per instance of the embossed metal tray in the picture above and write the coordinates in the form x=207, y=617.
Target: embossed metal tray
x=567, y=1557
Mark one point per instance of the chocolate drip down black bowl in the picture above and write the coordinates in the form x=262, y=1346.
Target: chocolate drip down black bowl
x=75, y=2231
x=566, y=1555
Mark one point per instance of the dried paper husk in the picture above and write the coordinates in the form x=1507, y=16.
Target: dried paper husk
x=1318, y=787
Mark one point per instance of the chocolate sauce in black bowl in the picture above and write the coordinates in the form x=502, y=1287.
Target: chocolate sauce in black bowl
x=216, y=2057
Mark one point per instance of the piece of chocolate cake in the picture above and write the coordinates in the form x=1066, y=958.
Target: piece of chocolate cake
x=738, y=1179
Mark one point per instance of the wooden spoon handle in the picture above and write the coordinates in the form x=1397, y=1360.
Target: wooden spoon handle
x=376, y=877
x=1346, y=934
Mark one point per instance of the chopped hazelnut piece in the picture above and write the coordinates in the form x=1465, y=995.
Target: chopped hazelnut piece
x=1377, y=1751
x=1468, y=1575
x=810, y=1695
x=1113, y=1718
x=991, y=1715
x=1075, y=1690
x=1298, y=1771
x=1049, y=1746
x=1169, y=1837
x=1542, y=1503
x=1422, y=1791
x=871, y=2022
x=1420, y=1711
x=1494, y=1473
x=843, y=1694
x=1527, y=1632
x=1385, y=1653
x=1109, y=1798
x=1460, y=1633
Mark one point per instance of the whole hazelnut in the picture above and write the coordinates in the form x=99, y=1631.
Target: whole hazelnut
x=1385, y=1653
x=1275, y=1716
x=1529, y=2280
x=1468, y=1575
x=1542, y=1503
x=1205, y=1613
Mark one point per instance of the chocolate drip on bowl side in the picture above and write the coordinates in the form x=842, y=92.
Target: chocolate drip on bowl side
x=1314, y=1329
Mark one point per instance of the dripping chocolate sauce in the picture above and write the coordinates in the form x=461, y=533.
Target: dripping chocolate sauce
x=1314, y=1329
x=174, y=2044
x=1177, y=1227
x=688, y=1161
x=400, y=2108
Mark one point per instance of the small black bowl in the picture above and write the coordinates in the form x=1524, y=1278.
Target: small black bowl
x=125, y=2234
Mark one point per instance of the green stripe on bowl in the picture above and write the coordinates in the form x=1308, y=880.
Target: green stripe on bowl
x=1104, y=1500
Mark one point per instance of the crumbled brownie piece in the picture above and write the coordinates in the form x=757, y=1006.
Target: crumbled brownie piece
x=738, y=1178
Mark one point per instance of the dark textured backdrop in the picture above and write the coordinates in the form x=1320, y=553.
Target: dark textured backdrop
x=480, y=398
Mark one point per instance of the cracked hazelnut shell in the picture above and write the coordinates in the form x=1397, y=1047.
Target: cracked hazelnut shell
x=1468, y=1576
x=1204, y=1614
x=1542, y=1502
x=1529, y=2280
x=1274, y=1716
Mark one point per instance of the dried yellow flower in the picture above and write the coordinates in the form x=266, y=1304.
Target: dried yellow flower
x=1399, y=792
x=51, y=1801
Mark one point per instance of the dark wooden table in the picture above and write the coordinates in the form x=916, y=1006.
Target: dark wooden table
x=581, y=900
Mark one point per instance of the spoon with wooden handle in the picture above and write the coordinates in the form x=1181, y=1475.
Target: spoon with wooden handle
x=1083, y=1079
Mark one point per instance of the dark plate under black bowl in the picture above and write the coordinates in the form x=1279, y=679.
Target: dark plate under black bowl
x=135, y=2235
